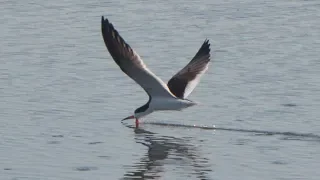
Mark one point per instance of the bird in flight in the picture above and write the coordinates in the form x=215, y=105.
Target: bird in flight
x=162, y=97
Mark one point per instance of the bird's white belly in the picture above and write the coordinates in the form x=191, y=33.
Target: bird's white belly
x=163, y=104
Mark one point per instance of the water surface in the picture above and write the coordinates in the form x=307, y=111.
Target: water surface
x=62, y=95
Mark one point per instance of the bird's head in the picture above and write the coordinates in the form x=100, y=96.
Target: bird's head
x=140, y=112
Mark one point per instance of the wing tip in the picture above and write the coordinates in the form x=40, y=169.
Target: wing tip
x=206, y=43
x=104, y=20
x=115, y=44
x=106, y=24
x=109, y=32
x=205, y=48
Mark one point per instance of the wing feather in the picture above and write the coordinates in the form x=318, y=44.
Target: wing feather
x=183, y=83
x=130, y=62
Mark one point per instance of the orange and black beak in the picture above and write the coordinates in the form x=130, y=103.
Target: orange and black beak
x=130, y=117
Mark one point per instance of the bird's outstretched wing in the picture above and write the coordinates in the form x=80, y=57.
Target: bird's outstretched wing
x=130, y=62
x=183, y=83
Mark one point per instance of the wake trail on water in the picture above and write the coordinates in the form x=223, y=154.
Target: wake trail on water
x=289, y=135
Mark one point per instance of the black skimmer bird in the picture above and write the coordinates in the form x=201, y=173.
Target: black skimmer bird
x=170, y=96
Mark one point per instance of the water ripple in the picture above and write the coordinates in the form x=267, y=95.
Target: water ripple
x=292, y=135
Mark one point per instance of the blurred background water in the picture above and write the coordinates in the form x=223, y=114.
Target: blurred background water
x=62, y=95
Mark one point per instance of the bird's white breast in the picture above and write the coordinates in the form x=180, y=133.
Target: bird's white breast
x=163, y=104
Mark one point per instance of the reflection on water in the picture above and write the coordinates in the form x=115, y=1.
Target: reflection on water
x=179, y=155
x=164, y=151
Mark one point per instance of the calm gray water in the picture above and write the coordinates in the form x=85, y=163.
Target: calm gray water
x=62, y=95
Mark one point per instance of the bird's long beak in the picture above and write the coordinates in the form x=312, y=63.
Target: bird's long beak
x=130, y=117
